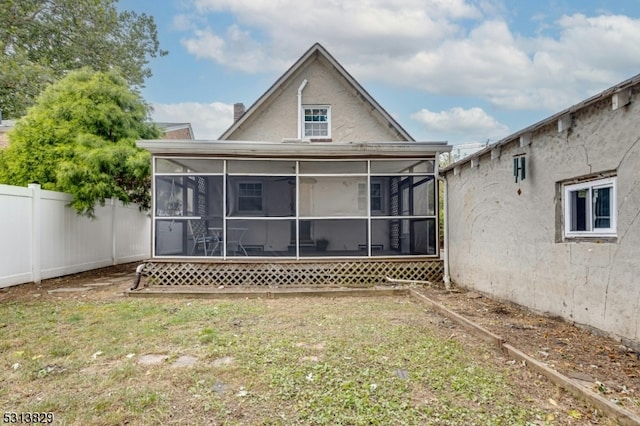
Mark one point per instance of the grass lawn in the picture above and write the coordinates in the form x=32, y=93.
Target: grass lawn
x=356, y=361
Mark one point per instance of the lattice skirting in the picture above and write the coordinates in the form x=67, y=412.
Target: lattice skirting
x=348, y=273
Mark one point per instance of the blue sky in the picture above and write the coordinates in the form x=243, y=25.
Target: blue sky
x=462, y=71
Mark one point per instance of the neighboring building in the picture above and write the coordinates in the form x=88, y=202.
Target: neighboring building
x=549, y=217
x=181, y=131
x=315, y=168
x=460, y=151
x=169, y=131
x=5, y=126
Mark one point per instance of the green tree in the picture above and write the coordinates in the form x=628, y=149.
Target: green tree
x=79, y=138
x=42, y=40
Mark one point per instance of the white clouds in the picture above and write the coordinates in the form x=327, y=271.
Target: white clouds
x=472, y=48
x=473, y=65
x=597, y=47
x=437, y=46
x=206, y=44
x=208, y=121
x=469, y=125
x=535, y=73
x=181, y=23
x=357, y=29
x=236, y=49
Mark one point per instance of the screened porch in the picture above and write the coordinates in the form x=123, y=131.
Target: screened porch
x=294, y=208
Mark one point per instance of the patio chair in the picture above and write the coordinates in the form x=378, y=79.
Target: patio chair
x=197, y=230
x=234, y=240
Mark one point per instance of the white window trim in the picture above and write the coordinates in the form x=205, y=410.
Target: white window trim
x=238, y=197
x=303, y=122
x=382, y=195
x=590, y=185
x=365, y=198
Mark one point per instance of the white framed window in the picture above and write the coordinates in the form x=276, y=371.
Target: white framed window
x=376, y=197
x=375, y=193
x=316, y=122
x=590, y=208
x=250, y=197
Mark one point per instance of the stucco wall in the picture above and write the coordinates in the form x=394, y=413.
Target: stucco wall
x=351, y=118
x=505, y=238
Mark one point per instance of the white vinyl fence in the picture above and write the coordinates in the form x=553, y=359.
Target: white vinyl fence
x=40, y=237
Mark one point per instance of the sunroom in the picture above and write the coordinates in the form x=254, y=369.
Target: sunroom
x=250, y=202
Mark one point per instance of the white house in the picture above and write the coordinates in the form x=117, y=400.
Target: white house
x=314, y=170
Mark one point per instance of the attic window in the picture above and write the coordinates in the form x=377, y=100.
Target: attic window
x=317, y=121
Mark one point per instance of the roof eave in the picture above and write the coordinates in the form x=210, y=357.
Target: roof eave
x=547, y=121
x=258, y=149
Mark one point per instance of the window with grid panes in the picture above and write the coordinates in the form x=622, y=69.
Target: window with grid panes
x=250, y=197
x=317, y=122
x=375, y=194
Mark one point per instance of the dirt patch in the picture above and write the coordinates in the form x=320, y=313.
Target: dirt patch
x=99, y=284
x=597, y=362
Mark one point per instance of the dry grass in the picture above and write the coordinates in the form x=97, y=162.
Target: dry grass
x=261, y=362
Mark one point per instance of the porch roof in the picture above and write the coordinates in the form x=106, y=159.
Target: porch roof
x=296, y=148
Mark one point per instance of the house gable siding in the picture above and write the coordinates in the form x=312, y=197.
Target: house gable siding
x=352, y=118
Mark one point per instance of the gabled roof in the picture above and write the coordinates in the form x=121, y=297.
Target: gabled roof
x=317, y=49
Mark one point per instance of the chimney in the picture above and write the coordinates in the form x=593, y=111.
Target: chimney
x=238, y=110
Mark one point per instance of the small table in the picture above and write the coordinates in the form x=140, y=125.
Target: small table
x=234, y=238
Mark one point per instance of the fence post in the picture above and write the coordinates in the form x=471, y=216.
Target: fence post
x=114, y=237
x=36, y=234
